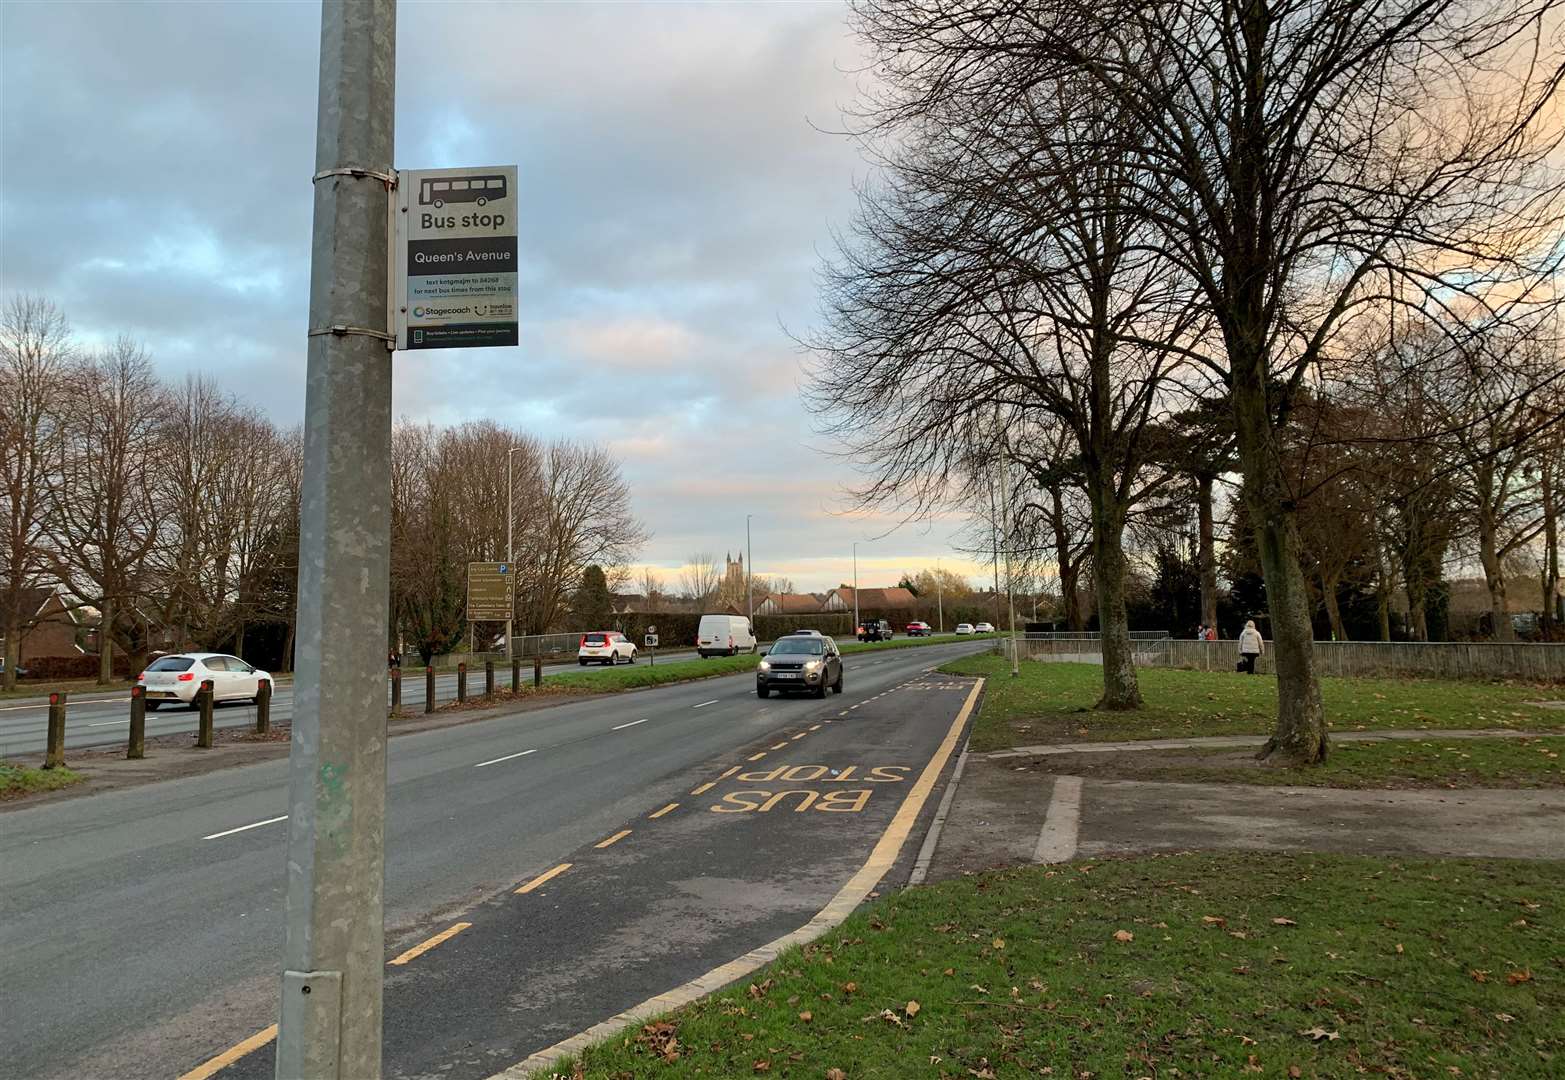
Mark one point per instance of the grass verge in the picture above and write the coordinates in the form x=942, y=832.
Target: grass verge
x=1422, y=763
x=17, y=781
x=1185, y=965
x=1053, y=703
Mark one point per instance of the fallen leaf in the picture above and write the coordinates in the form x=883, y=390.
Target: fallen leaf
x=1479, y=976
x=1522, y=976
x=1283, y=922
x=850, y=987
x=1399, y=948
x=949, y=971
x=806, y=1016
x=1316, y=1034
x=836, y=1074
x=1504, y=1018
x=762, y=1066
x=912, y=1009
x=1214, y=920
x=999, y=943
x=1294, y=1072
x=1124, y=935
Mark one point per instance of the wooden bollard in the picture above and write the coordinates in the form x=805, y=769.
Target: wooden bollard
x=136, y=748
x=488, y=678
x=461, y=682
x=429, y=689
x=516, y=673
x=204, y=705
x=396, y=690
x=54, y=752
x=537, y=671
x=263, y=707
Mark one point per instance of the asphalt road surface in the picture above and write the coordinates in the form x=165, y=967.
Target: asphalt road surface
x=141, y=930
x=96, y=719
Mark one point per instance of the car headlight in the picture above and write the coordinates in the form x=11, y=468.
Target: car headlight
x=812, y=665
x=766, y=665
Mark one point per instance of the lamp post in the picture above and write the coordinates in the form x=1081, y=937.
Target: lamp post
x=749, y=576
x=855, y=588
x=510, y=548
x=940, y=597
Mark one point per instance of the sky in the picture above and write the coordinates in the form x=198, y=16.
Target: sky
x=679, y=185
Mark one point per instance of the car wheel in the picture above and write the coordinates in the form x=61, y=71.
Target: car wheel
x=152, y=706
x=820, y=691
x=836, y=687
x=633, y=656
x=582, y=660
x=763, y=691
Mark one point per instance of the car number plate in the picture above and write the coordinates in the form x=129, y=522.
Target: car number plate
x=785, y=675
x=159, y=694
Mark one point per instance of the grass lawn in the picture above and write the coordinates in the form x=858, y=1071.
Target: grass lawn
x=1433, y=762
x=19, y=780
x=1053, y=703
x=1187, y=965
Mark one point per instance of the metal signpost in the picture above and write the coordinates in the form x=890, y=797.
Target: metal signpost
x=651, y=643
x=452, y=236
x=456, y=257
x=490, y=594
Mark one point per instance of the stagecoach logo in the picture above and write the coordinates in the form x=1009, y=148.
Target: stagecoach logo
x=440, y=312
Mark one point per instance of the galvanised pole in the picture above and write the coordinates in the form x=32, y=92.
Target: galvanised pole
x=334, y=952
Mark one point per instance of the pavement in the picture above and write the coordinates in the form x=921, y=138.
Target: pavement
x=1007, y=814
x=96, y=719
x=545, y=870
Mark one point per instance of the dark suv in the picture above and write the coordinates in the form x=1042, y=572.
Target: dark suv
x=800, y=662
x=875, y=630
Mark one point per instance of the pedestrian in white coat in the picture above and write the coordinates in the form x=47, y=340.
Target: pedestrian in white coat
x=1250, y=647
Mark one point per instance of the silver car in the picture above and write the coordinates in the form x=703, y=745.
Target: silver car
x=800, y=662
x=177, y=678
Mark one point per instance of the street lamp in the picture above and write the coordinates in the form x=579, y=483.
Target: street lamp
x=940, y=597
x=856, y=623
x=510, y=549
x=749, y=576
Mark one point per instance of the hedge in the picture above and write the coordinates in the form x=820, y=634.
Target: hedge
x=73, y=667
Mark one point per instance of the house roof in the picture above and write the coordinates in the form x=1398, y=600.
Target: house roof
x=877, y=598
x=795, y=603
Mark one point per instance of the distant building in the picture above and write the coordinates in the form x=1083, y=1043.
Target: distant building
x=731, y=592
x=789, y=604
x=874, y=600
x=50, y=626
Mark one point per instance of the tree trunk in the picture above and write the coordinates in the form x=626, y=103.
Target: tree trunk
x=1208, y=555
x=1120, y=688
x=1328, y=588
x=287, y=665
x=1070, y=569
x=1550, y=578
x=1500, y=628
x=1300, y=735
x=106, y=643
x=13, y=647
x=239, y=640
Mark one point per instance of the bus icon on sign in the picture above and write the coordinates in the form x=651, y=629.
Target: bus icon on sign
x=436, y=191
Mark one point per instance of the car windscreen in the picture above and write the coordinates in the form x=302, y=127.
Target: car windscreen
x=172, y=663
x=801, y=646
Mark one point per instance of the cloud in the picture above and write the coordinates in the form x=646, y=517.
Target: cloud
x=155, y=164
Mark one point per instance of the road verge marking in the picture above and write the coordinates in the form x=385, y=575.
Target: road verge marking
x=544, y=878
x=616, y=838
x=926, y=854
x=666, y=809
x=508, y=757
x=424, y=946
x=213, y=1066
x=633, y=723
x=245, y=828
x=838, y=908
x=1062, y=822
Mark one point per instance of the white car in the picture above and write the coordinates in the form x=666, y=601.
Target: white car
x=964, y=628
x=177, y=678
x=984, y=628
x=605, y=647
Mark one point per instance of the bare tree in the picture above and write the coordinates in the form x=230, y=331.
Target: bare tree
x=1304, y=160
x=103, y=521
x=699, y=578
x=35, y=349
x=650, y=583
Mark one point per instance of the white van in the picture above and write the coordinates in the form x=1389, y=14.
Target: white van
x=724, y=635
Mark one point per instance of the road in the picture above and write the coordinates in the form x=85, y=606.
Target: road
x=140, y=930
x=96, y=719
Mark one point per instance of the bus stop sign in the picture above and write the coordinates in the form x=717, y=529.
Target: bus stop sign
x=455, y=247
